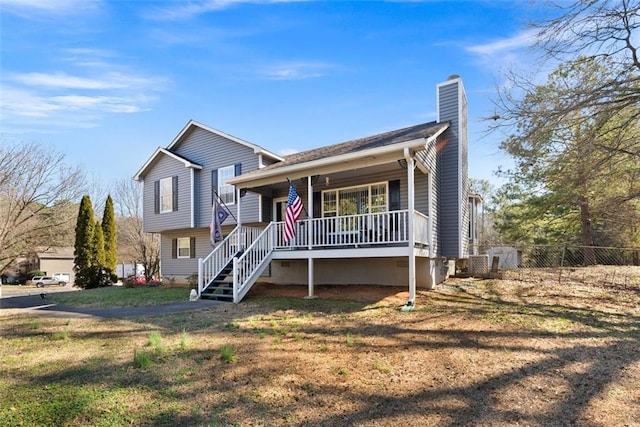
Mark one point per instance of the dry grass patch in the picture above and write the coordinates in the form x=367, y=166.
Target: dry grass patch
x=491, y=353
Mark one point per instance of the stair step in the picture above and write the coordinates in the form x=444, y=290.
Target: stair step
x=217, y=297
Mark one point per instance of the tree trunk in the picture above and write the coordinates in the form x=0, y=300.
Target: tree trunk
x=587, y=237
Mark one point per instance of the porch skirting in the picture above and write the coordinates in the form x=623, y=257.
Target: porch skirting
x=389, y=271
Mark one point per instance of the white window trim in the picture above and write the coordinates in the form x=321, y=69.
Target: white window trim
x=220, y=183
x=170, y=195
x=369, y=185
x=188, y=247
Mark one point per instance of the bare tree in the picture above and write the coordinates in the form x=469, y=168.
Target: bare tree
x=574, y=139
x=38, y=192
x=134, y=244
x=585, y=31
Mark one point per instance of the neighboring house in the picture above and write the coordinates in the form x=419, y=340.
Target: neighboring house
x=57, y=262
x=389, y=209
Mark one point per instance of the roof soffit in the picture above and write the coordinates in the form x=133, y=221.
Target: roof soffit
x=161, y=151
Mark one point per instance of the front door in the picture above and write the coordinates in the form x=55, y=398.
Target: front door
x=280, y=208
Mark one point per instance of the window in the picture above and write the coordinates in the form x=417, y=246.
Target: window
x=184, y=247
x=226, y=191
x=355, y=200
x=166, y=195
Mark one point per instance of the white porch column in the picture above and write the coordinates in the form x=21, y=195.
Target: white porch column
x=309, y=237
x=412, y=207
x=238, y=206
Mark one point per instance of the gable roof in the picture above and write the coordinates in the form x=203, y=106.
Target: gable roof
x=187, y=163
x=412, y=137
x=55, y=253
x=192, y=123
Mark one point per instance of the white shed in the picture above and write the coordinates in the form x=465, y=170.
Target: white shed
x=508, y=255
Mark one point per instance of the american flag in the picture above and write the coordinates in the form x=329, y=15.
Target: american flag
x=294, y=209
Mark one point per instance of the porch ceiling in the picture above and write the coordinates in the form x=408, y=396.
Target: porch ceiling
x=300, y=181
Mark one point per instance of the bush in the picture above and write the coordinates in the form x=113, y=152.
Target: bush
x=93, y=277
x=34, y=273
x=135, y=281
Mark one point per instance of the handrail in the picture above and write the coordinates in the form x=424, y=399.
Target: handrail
x=211, y=265
x=250, y=264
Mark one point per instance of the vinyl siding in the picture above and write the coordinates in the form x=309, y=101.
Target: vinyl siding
x=166, y=167
x=213, y=152
x=429, y=158
x=464, y=177
x=452, y=171
x=181, y=267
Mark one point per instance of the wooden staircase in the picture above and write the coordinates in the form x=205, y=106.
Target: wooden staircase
x=235, y=264
x=221, y=287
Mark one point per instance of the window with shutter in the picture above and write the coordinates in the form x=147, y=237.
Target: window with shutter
x=227, y=192
x=184, y=247
x=166, y=195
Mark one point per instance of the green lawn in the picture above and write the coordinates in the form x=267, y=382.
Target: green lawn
x=119, y=296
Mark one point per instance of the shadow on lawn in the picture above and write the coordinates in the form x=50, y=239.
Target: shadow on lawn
x=606, y=344
x=618, y=336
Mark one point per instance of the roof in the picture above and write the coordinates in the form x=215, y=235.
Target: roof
x=192, y=123
x=187, y=163
x=412, y=137
x=56, y=253
x=476, y=197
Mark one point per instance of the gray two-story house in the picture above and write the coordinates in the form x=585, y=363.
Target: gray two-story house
x=388, y=209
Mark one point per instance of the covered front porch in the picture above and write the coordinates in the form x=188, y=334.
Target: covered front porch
x=375, y=248
x=365, y=199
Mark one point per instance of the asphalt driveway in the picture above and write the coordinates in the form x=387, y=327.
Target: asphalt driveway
x=36, y=304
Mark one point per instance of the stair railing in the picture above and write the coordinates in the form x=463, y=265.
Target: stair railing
x=210, y=266
x=248, y=266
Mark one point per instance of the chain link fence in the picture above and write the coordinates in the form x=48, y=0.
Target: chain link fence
x=565, y=264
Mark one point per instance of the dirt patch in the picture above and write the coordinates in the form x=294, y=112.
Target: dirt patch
x=362, y=293
x=490, y=353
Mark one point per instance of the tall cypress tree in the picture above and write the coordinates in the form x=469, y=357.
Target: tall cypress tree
x=83, y=251
x=109, y=234
x=98, y=247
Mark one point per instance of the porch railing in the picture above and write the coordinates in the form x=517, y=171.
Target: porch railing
x=382, y=228
x=421, y=229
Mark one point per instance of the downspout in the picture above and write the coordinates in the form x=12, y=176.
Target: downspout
x=411, y=199
x=430, y=211
x=193, y=198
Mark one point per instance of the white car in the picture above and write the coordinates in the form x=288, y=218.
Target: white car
x=42, y=281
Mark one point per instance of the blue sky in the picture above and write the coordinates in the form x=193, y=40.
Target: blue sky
x=106, y=82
